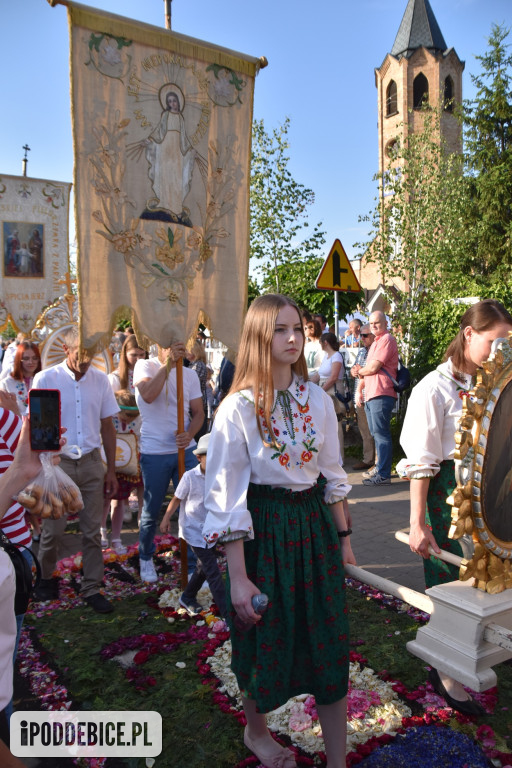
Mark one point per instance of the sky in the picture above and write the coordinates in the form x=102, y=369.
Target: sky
x=322, y=56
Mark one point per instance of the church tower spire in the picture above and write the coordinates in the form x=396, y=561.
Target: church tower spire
x=419, y=27
x=419, y=69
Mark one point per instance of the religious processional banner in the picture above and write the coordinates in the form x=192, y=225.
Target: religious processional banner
x=34, y=221
x=162, y=134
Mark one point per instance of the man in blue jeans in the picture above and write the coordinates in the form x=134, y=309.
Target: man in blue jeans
x=381, y=365
x=156, y=395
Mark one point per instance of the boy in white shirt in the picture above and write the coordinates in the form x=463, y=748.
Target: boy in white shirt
x=189, y=496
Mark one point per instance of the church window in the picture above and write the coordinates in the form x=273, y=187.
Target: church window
x=392, y=148
x=420, y=91
x=448, y=94
x=391, y=99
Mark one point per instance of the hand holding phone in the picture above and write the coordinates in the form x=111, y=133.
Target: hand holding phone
x=44, y=408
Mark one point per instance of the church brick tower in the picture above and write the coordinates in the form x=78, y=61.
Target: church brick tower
x=420, y=68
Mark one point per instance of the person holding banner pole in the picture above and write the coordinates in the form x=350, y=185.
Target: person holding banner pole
x=171, y=408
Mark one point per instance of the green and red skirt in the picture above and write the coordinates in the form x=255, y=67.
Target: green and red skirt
x=439, y=518
x=301, y=643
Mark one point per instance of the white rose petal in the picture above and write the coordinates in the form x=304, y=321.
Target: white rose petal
x=384, y=718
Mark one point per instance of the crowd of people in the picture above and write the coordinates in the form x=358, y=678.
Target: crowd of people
x=264, y=477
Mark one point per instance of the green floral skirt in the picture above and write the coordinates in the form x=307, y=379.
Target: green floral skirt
x=301, y=643
x=439, y=518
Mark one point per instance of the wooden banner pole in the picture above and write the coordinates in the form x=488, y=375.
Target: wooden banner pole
x=181, y=461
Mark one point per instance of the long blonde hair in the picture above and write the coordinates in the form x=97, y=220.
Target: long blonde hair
x=124, y=367
x=254, y=360
x=198, y=351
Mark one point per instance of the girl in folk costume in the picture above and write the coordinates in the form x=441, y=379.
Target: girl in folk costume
x=122, y=379
x=27, y=362
x=276, y=497
x=125, y=422
x=428, y=439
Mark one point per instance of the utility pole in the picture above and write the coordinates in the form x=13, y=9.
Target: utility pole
x=168, y=24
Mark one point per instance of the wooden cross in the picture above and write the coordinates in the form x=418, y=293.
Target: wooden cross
x=67, y=280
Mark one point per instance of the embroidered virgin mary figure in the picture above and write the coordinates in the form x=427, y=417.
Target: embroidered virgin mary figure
x=171, y=158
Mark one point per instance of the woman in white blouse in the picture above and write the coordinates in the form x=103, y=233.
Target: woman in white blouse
x=312, y=347
x=428, y=439
x=122, y=377
x=331, y=374
x=285, y=530
x=27, y=362
x=122, y=380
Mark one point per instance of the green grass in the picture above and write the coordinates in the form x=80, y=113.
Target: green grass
x=194, y=727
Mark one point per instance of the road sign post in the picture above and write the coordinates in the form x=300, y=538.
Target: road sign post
x=337, y=275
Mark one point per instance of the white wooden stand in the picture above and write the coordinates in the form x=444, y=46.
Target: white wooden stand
x=453, y=640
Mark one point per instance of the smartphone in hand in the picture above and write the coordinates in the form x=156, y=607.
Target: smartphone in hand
x=44, y=409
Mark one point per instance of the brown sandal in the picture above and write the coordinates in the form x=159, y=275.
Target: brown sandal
x=280, y=758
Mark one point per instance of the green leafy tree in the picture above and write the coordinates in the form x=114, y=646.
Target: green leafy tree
x=417, y=226
x=286, y=253
x=280, y=230
x=253, y=291
x=488, y=137
x=297, y=279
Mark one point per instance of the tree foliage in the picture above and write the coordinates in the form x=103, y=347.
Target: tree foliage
x=286, y=252
x=297, y=279
x=488, y=137
x=417, y=232
x=279, y=224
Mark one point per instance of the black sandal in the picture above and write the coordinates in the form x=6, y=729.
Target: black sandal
x=468, y=707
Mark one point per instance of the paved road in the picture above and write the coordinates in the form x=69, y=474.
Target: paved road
x=376, y=514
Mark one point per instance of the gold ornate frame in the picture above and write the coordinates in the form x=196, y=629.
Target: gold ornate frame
x=491, y=563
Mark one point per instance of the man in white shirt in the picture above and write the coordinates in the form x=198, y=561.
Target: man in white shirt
x=87, y=407
x=156, y=395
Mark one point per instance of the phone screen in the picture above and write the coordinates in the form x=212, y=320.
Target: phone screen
x=44, y=419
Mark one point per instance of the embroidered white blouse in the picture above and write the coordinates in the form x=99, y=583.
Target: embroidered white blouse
x=432, y=418
x=18, y=388
x=115, y=382
x=304, y=422
x=313, y=353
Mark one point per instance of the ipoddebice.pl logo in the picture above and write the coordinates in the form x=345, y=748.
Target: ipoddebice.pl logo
x=99, y=733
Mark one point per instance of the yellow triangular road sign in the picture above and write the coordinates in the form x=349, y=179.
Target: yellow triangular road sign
x=337, y=273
